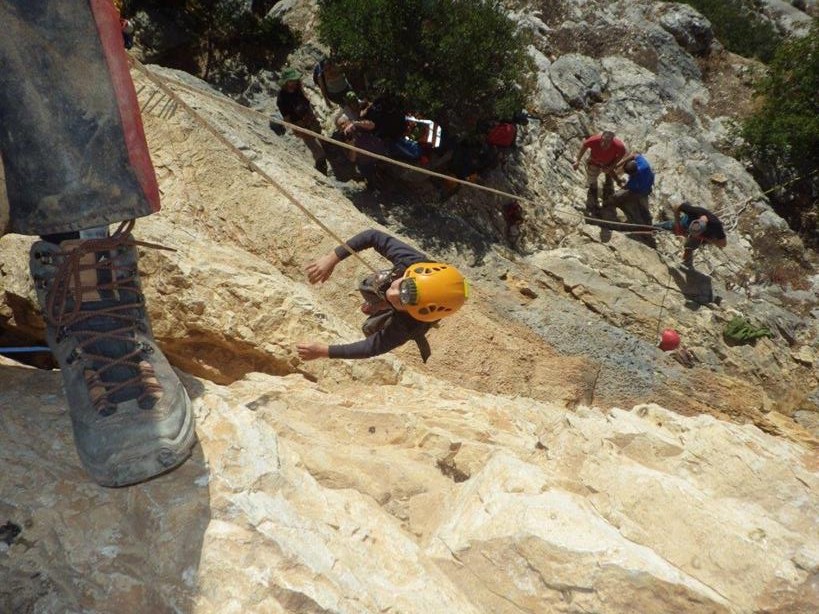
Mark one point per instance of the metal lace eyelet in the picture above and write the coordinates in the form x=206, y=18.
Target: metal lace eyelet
x=74, y=356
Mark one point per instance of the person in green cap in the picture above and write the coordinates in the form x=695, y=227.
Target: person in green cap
x=296, y=109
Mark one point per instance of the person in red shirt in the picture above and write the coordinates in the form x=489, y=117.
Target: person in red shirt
x=606, y=152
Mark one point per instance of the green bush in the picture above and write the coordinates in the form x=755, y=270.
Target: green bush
x=781, y=138
x=453, y=60
x=784, y=130
x=739, y=28
x=213, y=35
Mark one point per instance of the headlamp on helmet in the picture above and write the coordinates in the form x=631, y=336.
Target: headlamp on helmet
x=432, y=290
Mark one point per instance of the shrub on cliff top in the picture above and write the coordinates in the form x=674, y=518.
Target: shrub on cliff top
x=781, y=137
x=739, y=27
x=453, y=60
x=785, y=128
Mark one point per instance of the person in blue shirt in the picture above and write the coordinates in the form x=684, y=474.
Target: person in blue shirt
x=632, y=199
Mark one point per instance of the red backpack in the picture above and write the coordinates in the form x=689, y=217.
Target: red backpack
x=502, y=135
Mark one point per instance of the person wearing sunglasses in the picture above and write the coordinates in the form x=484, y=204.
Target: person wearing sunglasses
x=402, y=303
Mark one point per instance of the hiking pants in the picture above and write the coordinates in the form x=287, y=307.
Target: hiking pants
x=71, y=138
x=592, y=175
x=633, y=205
x=635, y=208
x=691, y=243
x=310, y=122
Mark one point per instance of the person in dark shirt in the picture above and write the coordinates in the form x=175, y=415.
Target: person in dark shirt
x=402, y=302
x=699, y=225
x=296, y=109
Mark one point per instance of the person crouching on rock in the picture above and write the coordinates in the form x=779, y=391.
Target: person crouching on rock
x=699, y=225
x=296, y=109
x=402, y=303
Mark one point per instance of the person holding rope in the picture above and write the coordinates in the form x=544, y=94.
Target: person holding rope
x=402, y=303
x=606, y=151
x=699, y=225
x=632, y=199
x=75, y=160
x=296, y=109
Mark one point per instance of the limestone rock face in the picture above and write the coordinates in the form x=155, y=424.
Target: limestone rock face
x=529, y=465
x=578, y=79
x=787, y=17
x=416, y=498
x=691, y=30
x=4, y=202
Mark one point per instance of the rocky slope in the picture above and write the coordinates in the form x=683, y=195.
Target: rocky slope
x=501, y=476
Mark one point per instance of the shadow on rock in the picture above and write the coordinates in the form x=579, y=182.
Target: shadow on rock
x=696, y=287
x=435, y=226
x=79, y=546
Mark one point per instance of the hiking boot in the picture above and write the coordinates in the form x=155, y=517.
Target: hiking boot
x=131, y=416
x=688, y=259
x=321, y=166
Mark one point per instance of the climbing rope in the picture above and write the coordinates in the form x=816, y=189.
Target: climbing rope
x=241, y=155
x=258, y=114
x=662, y=305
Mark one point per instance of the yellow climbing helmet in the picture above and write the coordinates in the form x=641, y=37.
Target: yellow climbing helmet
x=432, y=290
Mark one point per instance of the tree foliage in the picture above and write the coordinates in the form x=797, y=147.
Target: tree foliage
x=785, y=128
x=213, y=35
x=739, y=27
x=454, y=60
x=782, y=137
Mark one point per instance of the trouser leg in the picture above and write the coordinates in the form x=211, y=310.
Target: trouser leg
x=608, y=212
x=619, y=200
x=71, y=137
x=592, y=174
x=635, y=207
x=608, y=187
x=313, y=144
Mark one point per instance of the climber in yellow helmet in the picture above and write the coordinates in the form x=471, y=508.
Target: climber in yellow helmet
x=401, y=303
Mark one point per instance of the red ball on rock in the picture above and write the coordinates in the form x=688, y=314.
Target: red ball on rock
x=669, y=340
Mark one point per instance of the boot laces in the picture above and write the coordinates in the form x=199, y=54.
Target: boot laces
x=96, y=299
